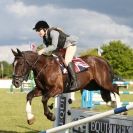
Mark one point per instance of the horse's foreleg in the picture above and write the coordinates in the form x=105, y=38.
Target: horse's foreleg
x=47, y=112
x=30, y=96
x=51, y=93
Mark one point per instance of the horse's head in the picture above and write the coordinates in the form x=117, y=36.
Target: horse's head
x=21, y=68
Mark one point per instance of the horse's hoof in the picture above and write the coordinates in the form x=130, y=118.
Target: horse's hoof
x=31, y=121
x=53, y=118
x=124, y=113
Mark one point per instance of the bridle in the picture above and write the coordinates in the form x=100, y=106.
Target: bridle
x=23, y=77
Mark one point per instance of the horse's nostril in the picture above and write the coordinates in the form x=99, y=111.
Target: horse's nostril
x=17, y=83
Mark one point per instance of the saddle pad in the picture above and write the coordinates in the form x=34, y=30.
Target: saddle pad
x=79, y=65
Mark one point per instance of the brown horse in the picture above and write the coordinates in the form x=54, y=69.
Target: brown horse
x=50, y=81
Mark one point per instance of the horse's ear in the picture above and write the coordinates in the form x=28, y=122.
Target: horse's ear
x=19, y=52
x=14, y=52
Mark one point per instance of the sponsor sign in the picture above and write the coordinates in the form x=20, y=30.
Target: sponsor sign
x=111, y=124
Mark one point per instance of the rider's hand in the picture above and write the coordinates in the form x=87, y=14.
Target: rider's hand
x=41, y=51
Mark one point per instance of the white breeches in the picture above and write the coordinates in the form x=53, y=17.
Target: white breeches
x=70, y=52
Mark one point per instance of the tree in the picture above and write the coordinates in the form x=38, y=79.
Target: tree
x=90, y=52
x=120, y=56
x=7, y=70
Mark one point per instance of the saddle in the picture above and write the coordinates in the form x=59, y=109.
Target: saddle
x=79, y=64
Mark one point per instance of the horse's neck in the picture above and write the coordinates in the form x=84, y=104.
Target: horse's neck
x=32, y=59
x=38, y=63
x=42, y=62
x=30, y=56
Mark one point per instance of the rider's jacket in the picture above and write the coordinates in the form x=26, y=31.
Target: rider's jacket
x=56, y=39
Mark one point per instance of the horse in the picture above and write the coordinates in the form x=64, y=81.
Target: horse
x=50, y=81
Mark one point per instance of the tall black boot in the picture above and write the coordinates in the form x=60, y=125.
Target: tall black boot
x=73, y=76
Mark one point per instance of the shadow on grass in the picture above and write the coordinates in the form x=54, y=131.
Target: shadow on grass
x=24, y=127
x=30, y=129
x=2, y=131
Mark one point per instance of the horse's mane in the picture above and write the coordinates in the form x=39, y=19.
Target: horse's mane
x=35, y=54
x=29, y=52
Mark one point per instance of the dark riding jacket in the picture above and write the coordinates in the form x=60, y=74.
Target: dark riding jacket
x=56, y=39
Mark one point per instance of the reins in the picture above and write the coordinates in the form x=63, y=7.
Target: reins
x=32, y=66
x=44, y=66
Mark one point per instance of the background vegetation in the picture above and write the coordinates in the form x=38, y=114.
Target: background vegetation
x=5, y=69
x=119, y=55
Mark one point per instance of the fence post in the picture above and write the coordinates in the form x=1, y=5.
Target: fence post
x=87, y=99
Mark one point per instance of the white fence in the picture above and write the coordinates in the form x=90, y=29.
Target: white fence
x=5, y=83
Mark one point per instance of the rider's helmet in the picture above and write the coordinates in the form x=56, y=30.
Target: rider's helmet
x=41, y=25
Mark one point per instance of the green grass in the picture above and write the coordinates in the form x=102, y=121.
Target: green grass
x=13, y=115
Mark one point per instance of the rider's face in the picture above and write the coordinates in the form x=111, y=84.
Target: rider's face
x=41, y=32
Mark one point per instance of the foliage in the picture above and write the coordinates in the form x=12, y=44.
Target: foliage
x=90, y=52
x=13, y=115
x=7, y=70
x=120, y=56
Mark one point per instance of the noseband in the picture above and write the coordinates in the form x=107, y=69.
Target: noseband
x=23, y=77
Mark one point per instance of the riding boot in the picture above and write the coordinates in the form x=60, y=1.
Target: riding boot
x=73, y=77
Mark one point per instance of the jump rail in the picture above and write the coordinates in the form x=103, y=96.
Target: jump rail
x=89, y=119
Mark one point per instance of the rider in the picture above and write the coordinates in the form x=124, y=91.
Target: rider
x=56, y=39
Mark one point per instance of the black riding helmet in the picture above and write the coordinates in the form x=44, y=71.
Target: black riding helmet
x=41, y=24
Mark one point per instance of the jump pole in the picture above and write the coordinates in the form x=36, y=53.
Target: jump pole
x=89, y=119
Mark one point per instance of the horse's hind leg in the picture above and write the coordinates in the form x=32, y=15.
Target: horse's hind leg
x=30, y=96
x=114, y=90
x=118, y=101
x=105, y=94
x=111, y=99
